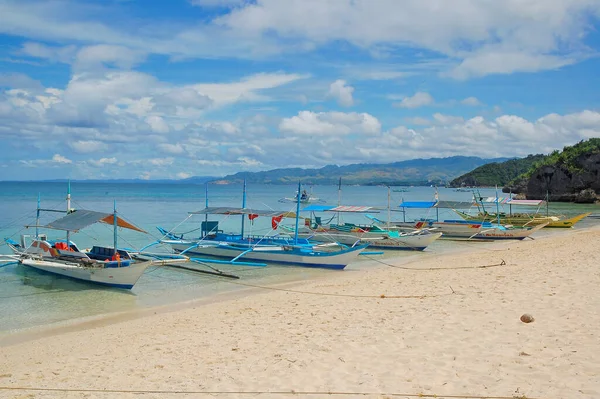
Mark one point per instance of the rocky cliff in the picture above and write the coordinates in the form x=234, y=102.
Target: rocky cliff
x=579, y=181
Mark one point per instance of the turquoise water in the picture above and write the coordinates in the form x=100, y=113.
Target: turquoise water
x=29, y=298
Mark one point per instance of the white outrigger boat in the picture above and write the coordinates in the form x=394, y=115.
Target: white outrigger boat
x=109, y=266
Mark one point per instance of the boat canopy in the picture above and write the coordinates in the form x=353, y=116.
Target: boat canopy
x=510, y=201
x=341, y=208
x=81, y=218
x=437, y=204
x=418, y=204
x=241, y=211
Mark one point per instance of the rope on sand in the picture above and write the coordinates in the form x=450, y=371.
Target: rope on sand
x=292, y=392
x=502, y=263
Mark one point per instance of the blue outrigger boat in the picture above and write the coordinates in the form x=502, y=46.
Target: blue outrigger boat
x=240, y=249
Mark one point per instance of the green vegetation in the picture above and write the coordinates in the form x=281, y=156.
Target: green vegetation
x=497, y=174
x=568, y=158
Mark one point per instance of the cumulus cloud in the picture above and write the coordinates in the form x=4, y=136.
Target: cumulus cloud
x=61, y=159
x=87, y=146
x=417, y=120
x=331, y=123
x=471, y=101
x=499, y=38
x=447, y=119
x=99, y=163
x=342, y=93
x=157, y=124
x=104, y=55
x=175, y=149
x=420, y=99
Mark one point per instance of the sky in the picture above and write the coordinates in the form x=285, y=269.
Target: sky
x=153, y=89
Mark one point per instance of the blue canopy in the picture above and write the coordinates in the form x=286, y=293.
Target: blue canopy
x=418, y=204
x=318, y=208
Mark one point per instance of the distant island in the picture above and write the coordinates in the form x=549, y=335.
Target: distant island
x=416, y=172
x=572, y=174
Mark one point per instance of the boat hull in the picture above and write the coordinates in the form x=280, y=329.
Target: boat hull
x=549, y=221
x=417, y=242
x=465, y=230
x=281, y=254
x=120, y=277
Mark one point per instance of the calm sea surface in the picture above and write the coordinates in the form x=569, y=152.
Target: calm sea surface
x=29, y=298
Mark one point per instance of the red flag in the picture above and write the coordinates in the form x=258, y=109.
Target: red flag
x=275, y=220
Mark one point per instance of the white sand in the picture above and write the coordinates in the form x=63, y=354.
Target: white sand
x=431, y=341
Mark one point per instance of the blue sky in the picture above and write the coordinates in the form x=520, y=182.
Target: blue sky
x=170, y=89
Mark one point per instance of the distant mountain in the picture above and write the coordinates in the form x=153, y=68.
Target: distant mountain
x=496, y=174
x=413, y=172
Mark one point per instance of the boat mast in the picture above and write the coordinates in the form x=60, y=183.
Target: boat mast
x=497, y=207
x=205, y=203
x=436, y=199
x=115, y=225
x=37, y=219
x=339, y=198
x=69, y=210
x=389, y=215
x=297, y=214
x=244, y=206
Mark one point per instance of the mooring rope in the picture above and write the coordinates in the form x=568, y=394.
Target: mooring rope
x=252, y=393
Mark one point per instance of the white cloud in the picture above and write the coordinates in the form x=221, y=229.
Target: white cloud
x=175, y=149
x=157, y=124
x=63, y=54
x=247, y=89
x=498, y=38
x=61, y=159
x=331, y=123
x=102, y=55
x=184, y=175
x=447, y=119
x=342, y=93
x=99, y=163
x=471, y=101
x=217, y=3
x=499, y=62
x=420, y=99
x=161, y=161
x=20, y=81
x=417, y=120
x=87, y=146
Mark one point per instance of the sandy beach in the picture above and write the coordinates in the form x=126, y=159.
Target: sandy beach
x=444, y=325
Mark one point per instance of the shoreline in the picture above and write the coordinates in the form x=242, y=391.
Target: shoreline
x=446, y=324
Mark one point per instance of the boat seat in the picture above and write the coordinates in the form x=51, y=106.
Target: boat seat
x=103, y=253
x=210, y=227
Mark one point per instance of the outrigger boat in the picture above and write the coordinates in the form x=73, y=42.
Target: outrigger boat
x=520, y=218
x=462, y=229
x=103, y=265
x=378, y=237
x=305, y=198
x=237, y=248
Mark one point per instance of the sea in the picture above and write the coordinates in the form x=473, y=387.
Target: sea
x=29, y=299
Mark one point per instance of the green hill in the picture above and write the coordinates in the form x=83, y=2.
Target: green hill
x=572, y=174
x=497, y=174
